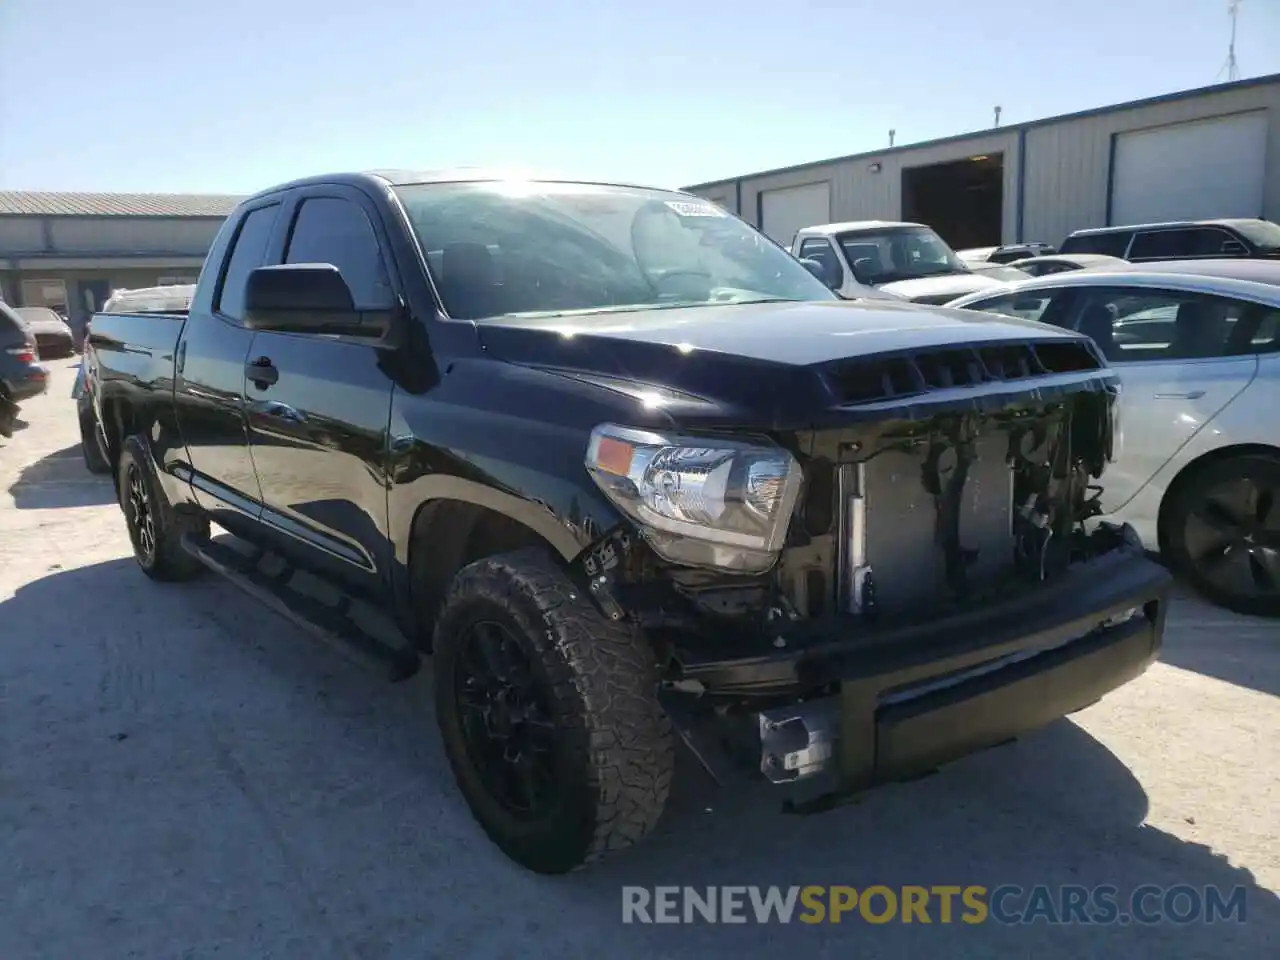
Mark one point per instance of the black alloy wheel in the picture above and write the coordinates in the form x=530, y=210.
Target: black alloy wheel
x=507, y=721
x=1229, y=535
x=139, y=515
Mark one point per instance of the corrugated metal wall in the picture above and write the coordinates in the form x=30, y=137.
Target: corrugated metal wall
x=858, y=192
x=21, y=234
x=108, y=235
x=1068, y=164
x=133, y=235
x=1067, y=167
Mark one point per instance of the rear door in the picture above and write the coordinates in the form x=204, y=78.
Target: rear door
x=209, y=388
x=1182, y=357
x=318, y=409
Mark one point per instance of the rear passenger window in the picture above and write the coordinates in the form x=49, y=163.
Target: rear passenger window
x=1266, y=339
x=248, y=252
x=1134, y=326
x=1109, y=244
x=330, y=230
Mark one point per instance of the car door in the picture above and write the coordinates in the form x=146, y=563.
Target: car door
x=1181, y=361
x=209, y=395
x=318, y=408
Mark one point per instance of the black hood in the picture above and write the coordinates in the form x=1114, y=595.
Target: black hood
x=781, y=365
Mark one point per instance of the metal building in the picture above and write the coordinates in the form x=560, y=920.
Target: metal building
x=1199, y=154
x=68, y=251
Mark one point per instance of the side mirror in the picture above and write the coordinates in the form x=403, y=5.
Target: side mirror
x=1234, y=248
x=310, y=298
x=1026, y=304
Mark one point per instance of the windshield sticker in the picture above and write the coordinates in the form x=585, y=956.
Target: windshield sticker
x=691, y=208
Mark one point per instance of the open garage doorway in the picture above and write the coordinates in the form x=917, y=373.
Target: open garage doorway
x=962, y=200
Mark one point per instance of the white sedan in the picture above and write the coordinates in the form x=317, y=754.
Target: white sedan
x=1197, y=348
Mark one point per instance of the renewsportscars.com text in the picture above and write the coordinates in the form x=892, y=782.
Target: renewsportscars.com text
x=973, y=904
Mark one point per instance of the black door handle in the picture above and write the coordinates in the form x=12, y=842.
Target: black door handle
x=262, y=371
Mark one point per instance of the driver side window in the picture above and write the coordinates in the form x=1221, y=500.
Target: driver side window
x=820, y=250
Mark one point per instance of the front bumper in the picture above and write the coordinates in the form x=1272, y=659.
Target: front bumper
x=907, y=700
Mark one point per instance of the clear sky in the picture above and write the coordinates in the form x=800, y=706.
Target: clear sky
x=235, y=95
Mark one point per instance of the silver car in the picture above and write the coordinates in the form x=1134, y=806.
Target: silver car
x=53, y=337
x=1197, y=347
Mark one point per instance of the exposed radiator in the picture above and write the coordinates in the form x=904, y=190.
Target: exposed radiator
x=891, y=558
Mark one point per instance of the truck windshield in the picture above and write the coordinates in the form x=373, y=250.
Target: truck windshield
x=898, y=253
x=525, y=248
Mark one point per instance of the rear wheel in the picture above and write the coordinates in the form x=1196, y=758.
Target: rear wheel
x=91, y=443
x=155, y=527
x=1224, y=534
x=549, y=714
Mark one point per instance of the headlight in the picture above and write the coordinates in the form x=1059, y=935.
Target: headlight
x=700, y=502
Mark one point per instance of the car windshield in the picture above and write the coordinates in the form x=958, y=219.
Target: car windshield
x=507, y=248
x=898, y=253
x=1261, y=233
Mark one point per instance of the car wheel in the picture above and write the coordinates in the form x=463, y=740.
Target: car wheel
x=549, y=714
x=91, y=444
x=155, y=528
x=1224, y=534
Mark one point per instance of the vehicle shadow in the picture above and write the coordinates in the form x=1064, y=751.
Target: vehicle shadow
x=60, y=480
x=1218, y=643
x=206, y=702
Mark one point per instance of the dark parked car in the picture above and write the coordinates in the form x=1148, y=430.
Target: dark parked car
x=21, y=374
x=624, y=467
x=1180, y=241
x=1006, y=254
x=1066, y=263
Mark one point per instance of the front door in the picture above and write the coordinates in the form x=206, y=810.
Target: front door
x=318, y=409
x=209, y=392
x=1180, y=363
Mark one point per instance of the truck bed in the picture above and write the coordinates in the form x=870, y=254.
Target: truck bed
x=135, y=347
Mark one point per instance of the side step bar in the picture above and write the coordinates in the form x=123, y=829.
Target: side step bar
x=327, y=623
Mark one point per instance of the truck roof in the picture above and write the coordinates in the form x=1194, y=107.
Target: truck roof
x=1170, y=224
x=380, y=179
x=852, y=226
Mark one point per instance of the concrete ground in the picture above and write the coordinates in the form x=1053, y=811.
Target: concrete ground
x=183, y=774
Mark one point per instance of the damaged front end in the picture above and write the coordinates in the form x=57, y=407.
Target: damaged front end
x=937, y=586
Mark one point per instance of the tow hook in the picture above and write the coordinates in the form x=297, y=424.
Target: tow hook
x=798, y=741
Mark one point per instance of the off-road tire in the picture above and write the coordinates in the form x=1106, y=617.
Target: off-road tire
x=166, y=560
x=1254, y=466
x=90, y=446
x=615, y=749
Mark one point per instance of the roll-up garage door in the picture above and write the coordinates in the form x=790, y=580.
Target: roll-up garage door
x=1201, y=170
x=784, y=211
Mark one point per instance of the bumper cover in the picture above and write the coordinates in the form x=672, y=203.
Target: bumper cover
x=33, y=382
x=911, y=699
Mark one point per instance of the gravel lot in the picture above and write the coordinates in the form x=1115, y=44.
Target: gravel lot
x=184, y=774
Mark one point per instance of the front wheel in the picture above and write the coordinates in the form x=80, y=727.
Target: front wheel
x=549, y=714
x=155, y=528
x=1224, y=534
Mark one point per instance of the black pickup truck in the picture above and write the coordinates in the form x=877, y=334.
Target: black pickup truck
x=629, y=473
